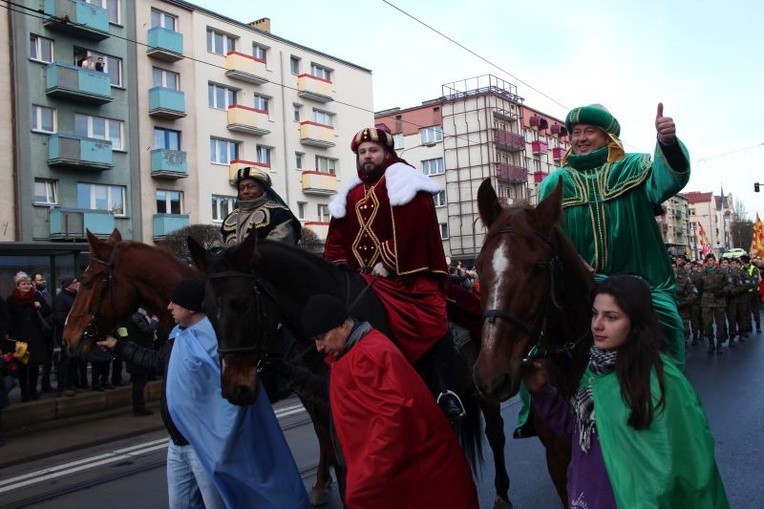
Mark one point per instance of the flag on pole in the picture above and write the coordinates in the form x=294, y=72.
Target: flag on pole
x=757, y=243
x=705, y=245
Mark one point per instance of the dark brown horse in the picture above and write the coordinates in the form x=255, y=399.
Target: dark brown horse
x=535, y=294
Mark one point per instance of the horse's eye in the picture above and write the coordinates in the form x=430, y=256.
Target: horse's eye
x=538, y=269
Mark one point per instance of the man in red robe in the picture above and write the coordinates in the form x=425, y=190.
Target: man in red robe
x=384, y=225
x=398, y=448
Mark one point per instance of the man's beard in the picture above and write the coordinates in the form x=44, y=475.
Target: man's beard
x=369, y=168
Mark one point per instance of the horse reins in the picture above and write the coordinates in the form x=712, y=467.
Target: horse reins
x=91, y=330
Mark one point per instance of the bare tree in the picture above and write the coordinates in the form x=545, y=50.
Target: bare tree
x=742, y=233
x=309, y=241
x=205, y=234
x=742, y=214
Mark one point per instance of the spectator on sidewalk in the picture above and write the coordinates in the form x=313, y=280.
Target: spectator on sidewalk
x=41, y=285
x=66, y=372
x=141, y=329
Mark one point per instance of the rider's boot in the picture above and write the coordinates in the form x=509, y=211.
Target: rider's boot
x=443, y=365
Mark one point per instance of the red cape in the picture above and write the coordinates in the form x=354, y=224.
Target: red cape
x=399, y=448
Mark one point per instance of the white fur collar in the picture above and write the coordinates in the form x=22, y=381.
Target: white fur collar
x=403, y=182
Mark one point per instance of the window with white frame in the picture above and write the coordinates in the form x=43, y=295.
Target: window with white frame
x=220, y=43
x=164, y=20
x=326, y=165
x=111, y=6
x=263, y=154
x=323, y=118
x=167, y=139
x=443, y=230
x=260, y=52
x=164, y=78
x=323, y=212
x=429, y=135
x=43, y=119
x=261, y=102
x=220, y=97
x=101, y=197
x=398, y=141
x=294, y=65
x=222, y=206
x=433, y=166
x=40, y=49
x=45, y=192
x=169, y=201
x=298, y=159
x=104, y=63
x=223, y=151
x=439, y=198
x=301, y=209
x=100, y=128
x=319, y=71
x=297, y=108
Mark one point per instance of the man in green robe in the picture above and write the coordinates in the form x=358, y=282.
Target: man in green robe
x=609, y=202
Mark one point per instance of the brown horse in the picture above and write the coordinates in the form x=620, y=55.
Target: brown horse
x=535, y=293
x=123, y=275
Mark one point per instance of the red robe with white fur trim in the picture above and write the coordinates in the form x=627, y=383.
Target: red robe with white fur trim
x=394, y=221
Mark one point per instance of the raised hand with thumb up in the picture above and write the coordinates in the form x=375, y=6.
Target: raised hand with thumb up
x=665, y=127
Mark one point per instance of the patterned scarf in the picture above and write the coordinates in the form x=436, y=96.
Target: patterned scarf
x=582, y=402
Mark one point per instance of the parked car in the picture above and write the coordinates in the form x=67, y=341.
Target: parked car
x=735, y=252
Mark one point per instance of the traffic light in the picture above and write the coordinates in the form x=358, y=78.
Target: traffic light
x=756, y=187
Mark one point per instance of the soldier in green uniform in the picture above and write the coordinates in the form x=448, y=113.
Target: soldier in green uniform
x=714, y=288
x=734, y=291
x=696, y=314
x=686, y=294
x=754, y=301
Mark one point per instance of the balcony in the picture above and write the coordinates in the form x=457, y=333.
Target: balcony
x=75, y=83
x=314, y=89
x=316, y=135
x=538, y=176
x=319, y=183
x=558, y=153
x=539, y=123
x=79, y=153
x=71, y=223
x=320, y=228
x=235, y=165
x=539, y=147
x=243, y=67
x=511, y=174
x=508, y=140
x=244, y=119
x=559, y=130
x=164, y=44
x=167, y=103
x=80, y=19
x=165, y=224
x=171, y=164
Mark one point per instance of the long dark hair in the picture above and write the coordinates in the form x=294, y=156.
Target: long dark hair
x=641, y=354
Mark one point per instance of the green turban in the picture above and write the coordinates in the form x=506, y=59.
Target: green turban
x=594, y=114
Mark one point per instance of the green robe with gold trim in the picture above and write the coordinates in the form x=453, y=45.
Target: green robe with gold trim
x=608, y=215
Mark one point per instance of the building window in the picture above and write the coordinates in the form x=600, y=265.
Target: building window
x=43, y=119
x=263, y=154
x=301, y=209
x=102, y=63
x=398, y=141
x=298, y=160
x=430, y=135
x=261, y=103
x=326, y=165
x=443, y=230
x=111, y=6
x=166, y=139
x=101, y=197
x=164, y=78
x=223, y=151
x=323, y=118
x=433, y=166
x=294, y=65
x=40, y=49
x=296, y=110
x=222, y=206
x=169, y=202
x=319, y=71
x=45, y=192
x=220, y=97
x=164, y=20
x=439, y=198
x=100, y=128
x=220, y=43
x=260, y=52
x=323, y=213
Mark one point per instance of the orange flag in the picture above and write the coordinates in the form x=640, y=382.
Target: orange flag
x=757, y=243
x=705, y=245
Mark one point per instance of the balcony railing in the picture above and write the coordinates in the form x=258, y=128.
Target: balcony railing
x=320, y=228
x=558, y=153
x=167, y=103
x=319, y=183
x=235, y=165
x=558, y=129
x=71, y=82
x=248, y=120
x=511, y=174
x=538, y=122
x=71, y=223
x=314, y=89
x=538, y=176
x=165, y=44
x=316, y=135
x=85, y=20
x=243, y=67
x=81, y=153
x=165, y=224
x=168, y=163
x=539, y=147
x=508, y=140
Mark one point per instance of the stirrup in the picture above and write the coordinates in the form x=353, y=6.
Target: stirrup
x=461, y=410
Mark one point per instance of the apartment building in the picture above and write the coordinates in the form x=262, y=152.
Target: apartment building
x=136, y=115
x=7, y=190
x=675, y=226
x=714, y=214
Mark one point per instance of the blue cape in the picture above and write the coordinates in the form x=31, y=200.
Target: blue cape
x=243, y=448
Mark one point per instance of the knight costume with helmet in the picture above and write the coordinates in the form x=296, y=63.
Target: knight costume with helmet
x=266, y=212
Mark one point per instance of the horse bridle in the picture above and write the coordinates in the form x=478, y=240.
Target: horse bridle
x=91, y=330
x=537, y=329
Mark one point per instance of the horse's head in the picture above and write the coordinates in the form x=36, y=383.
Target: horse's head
x=521, y=279
x=243, y=310
x=101, y=301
